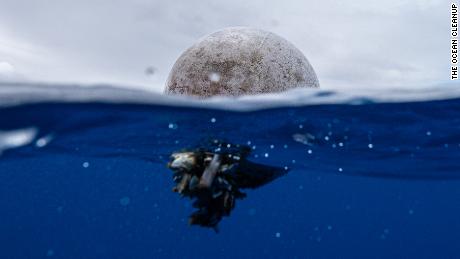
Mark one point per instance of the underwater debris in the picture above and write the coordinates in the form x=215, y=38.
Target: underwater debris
x=213, y=177
x=305, y=139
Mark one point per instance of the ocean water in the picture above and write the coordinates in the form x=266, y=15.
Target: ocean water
x=83, y=174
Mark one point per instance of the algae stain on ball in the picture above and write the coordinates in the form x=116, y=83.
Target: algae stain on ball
x=240, y=61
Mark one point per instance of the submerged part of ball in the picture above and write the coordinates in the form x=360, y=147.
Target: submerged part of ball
x=240, y=61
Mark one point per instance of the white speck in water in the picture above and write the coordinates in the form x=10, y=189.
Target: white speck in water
x=326, y=138
x=340, y=169
x=50, y=252
x=40, y=143
x=277, y=234
x=411, y=212
x=340, y=144
x=286, y=168
x=172, y=126
x=285, y=146
x=85, y=164
x=266, y=155
x=249, y=142
x=309, y=151
x=125, y=201
x=428, y=133
x=329, y=227
x=300, y=187
x=293, y=161
x=256, y=156
x=370, y=146
x=334, y=145
x=446, y=145
x=300, y=126
x=272, y=146
x=43, y=141
x=214, y=77
x=254, y=147
x=213, y=120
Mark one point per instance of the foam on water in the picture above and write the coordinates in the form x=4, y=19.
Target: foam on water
x=21, y=93
x=16, y=138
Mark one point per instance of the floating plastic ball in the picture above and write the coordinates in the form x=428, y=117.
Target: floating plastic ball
x=240, y=61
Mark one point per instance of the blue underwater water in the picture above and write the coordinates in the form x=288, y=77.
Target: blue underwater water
x=375, y=180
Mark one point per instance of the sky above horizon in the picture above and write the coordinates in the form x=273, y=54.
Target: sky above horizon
x=350, y=43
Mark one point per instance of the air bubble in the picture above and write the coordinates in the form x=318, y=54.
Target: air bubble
x=50, y=253
x=125, y=201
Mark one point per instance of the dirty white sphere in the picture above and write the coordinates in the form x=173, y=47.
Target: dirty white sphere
x=239, y=61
